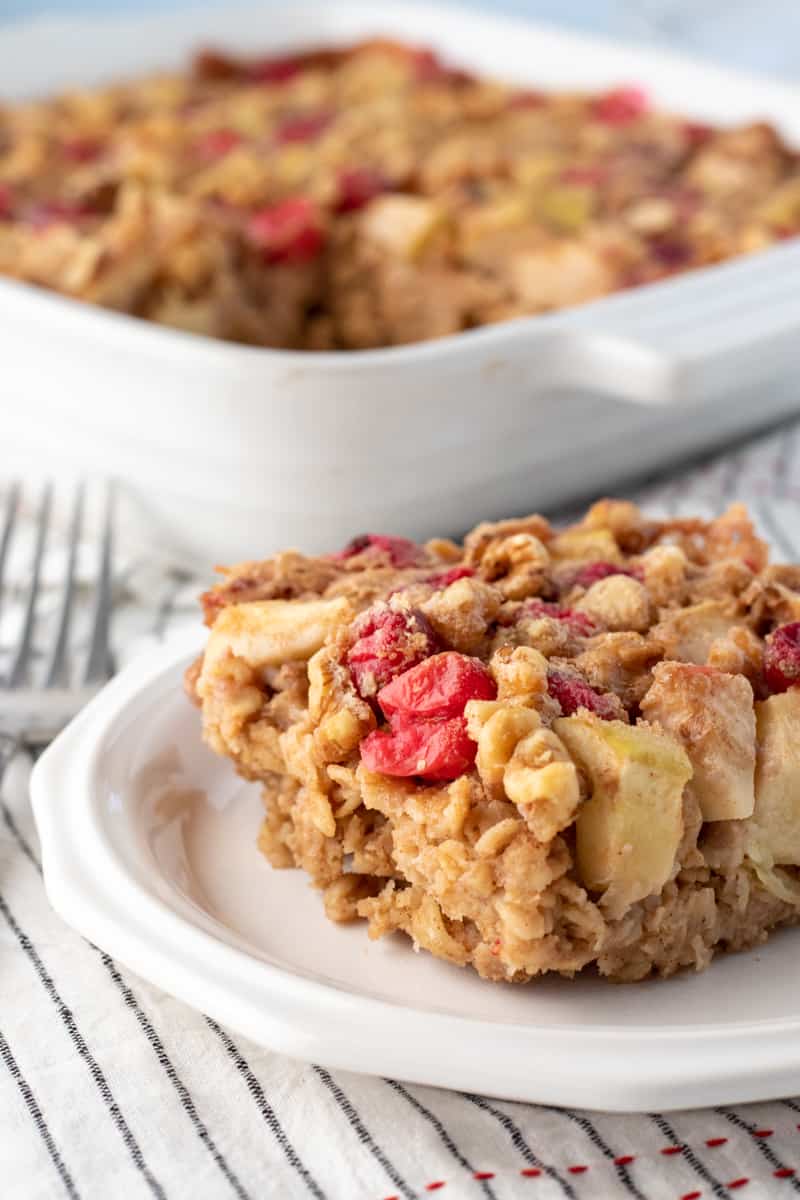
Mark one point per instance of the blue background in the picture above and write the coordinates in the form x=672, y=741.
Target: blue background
x=763, y=36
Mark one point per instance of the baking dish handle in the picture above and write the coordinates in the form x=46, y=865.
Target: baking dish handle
x=689, y=339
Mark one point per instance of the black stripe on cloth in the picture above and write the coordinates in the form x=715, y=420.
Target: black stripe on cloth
x=519, y=1143
x=114, y=1111
x=363, y=1134
x=15, y=833
x=173, y=1076
x=790, y=1104
x=697, y=1165
x=37, y=1117
x=731, y=475
x=149, y=1032
x=776, y=531
x=595, y=1138
x=786, y=449
x=763, y=1147
x=253, y=1085
x=257, y=1092
x=445, y=1137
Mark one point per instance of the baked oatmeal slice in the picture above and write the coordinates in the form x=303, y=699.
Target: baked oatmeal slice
x=534, y=751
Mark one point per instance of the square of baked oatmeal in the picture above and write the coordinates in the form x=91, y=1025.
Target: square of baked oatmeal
x=534, y=751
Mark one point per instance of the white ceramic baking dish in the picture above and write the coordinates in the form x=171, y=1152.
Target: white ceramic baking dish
x=229, y=451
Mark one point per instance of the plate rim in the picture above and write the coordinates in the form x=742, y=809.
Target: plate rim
x=281, y=1009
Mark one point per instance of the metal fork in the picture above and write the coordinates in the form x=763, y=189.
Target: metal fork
x=41, y=693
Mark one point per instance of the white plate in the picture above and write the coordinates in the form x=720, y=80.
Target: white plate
x=149, y=850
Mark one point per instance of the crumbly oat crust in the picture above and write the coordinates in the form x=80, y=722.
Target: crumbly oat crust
x=369, y=196
x=536, y=751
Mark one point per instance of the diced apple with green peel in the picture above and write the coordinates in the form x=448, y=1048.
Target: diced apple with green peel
x=629, y=829
x=773, y=833
x=711, y=714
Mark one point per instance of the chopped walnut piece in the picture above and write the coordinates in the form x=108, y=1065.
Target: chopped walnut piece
x=620, y=663
x=517, y=564
x=631, y=530
x=462, y=614
x=618, y=603
x=664, y=575
x=487, y=533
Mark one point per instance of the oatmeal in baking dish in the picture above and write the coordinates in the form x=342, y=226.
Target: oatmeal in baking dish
x=372, y=195
x=534, y=751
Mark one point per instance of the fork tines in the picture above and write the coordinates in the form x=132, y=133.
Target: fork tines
x=46, y=652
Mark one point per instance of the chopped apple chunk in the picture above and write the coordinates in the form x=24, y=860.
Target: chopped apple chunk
x=711, y=714
x=773, y=834
x=689, y=633
x=586, y=545
x=403, y=225
x=265, y=633
x=629, y=830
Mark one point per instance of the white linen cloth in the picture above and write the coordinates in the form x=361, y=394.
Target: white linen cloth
x=111, y=1089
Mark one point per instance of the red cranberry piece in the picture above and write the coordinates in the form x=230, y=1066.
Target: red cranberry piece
x=438, y=687
x=54, y=212
x=782, y=658
x=580, y=623
x=595, y=571
x=6, y=203
x=402, y=551
x=357, y=186
x=386, y=644
x=426, y=64
x=445, y=578
x=573, y=693
x=528, y=98
x=303, y=128
x=434, y=750
x=217, y=143
x=287, y=232
x=671, y=253
x=697, y=132
x=275, y=70
x=584, y=176
x=82, y=150
x=621, y=105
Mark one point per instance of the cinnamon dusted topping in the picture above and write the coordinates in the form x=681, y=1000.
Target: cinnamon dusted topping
x=539, y=750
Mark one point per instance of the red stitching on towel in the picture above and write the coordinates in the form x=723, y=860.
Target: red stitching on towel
x=691, y=1196
x=737, y=1183
x=483, y=1174
x=434, y=1187
x=783, y=1172
x=530, y=1172
x=672, y=1150
x=763, y=1132
x=716, y=1141
x=624, y=1159
x=577, y=1170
